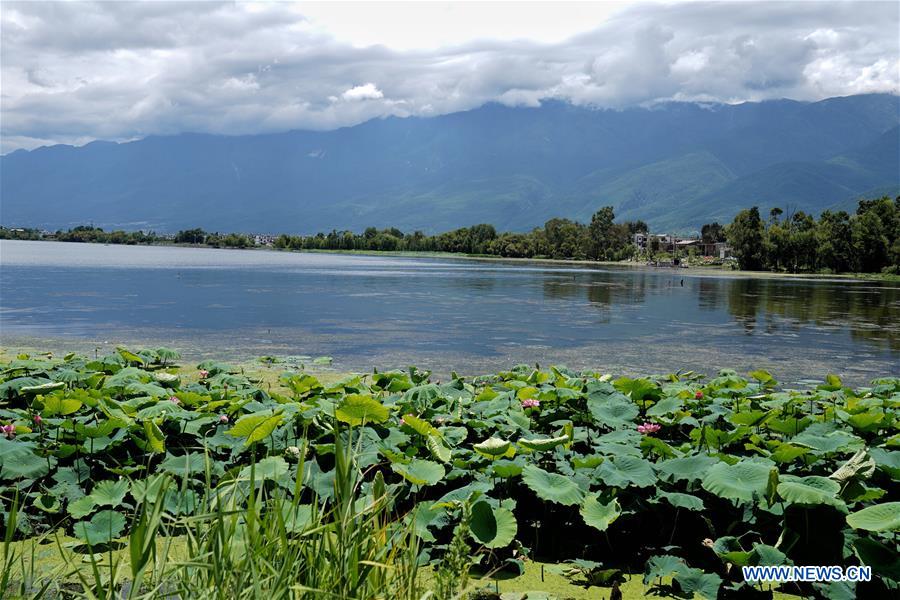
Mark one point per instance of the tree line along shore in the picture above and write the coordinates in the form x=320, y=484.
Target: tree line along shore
x=867, y=241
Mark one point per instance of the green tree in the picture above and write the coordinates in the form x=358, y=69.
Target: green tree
x=602, y=244
x=745, y=235
x=870, y=242
x=712, y=233
x=834, y=238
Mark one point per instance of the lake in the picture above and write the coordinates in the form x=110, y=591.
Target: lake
x=472, y=316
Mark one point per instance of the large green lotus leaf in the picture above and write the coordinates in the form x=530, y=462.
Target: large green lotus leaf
x=824, y=438
x=12, y=387
x=420, y=472
x=156, y=440
x=130, y=356
x=543, y=444
x=18, y=460
x=420, y=426
x=762, y=376
x=422, y=394
x=666, y=406
x=637, y=389
x=182, y=502
x=164, y=409
x=454, y=435
x=103, y=527
x=357, y=409
x=695, y=581
x=48, y=503
x=880, y=517
x=551, y=486
x=492, y=527
x=887, y=460
x=679, y=500
x=742, y=481
x=753, y=418
x=599, y=515
x=766, y=555
x=145, y=389
x=255, y=427
x=149, y=489
x=81, y=507
x=622, y=471
x=110, y=493
x=438, y=448
x=787, y=453
x=272, y=467
x=809, y=490
x=492, y=447
x=662, y=566
x=123, y=377
x=167, y=354
x=188, y=464
x=507, y=468
x=59, y=405
x=657, y=446
x=614, y=411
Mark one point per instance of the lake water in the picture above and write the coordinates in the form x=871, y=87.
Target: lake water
x=442, y=314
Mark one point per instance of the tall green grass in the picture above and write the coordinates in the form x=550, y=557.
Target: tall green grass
x=249, y=540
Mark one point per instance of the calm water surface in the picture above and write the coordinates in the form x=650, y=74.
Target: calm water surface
x=443, y=314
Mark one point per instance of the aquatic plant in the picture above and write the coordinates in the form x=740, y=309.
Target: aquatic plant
x=682, y=477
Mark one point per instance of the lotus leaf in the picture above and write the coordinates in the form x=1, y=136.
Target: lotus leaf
x=744, y=481
x=493, y=447
x=809, y=490
x=357, y=409
x=492, y=527
x=543, y=444
x=598, y=514
x=103, y=527
x=420, y=472
x=551, y=486
x=878, y=517
x=255, y=427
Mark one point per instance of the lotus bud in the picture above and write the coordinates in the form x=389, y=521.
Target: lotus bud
x=293, y=454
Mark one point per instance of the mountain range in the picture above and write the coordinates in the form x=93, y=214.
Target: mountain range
x=675, y=165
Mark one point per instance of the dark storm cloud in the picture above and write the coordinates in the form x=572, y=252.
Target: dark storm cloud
x=72, y=72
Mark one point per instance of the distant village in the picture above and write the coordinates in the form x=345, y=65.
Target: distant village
x=664, y=242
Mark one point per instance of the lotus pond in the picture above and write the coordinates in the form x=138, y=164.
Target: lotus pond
x=148, y=479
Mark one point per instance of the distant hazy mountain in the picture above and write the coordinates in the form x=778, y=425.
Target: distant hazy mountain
x=676, y=166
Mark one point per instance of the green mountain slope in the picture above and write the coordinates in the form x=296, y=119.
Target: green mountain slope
x=674, y=165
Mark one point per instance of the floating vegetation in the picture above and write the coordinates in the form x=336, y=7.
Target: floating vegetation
x=353, y=488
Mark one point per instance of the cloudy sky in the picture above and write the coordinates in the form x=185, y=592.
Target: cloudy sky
x=78, y=71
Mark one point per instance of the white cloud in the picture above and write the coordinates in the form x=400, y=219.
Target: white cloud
x=76, y=71
x=367, y=91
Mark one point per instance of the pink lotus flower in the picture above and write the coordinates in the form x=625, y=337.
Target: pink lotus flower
x=648, y=428
x=37, y=419
x=223, y=418
x=698, y=395
x=8, y=430
x=174, y=400
x=204, y=374
x=402, y=422
x=531, y=403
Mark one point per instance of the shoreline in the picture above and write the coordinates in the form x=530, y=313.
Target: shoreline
x=710, y=271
